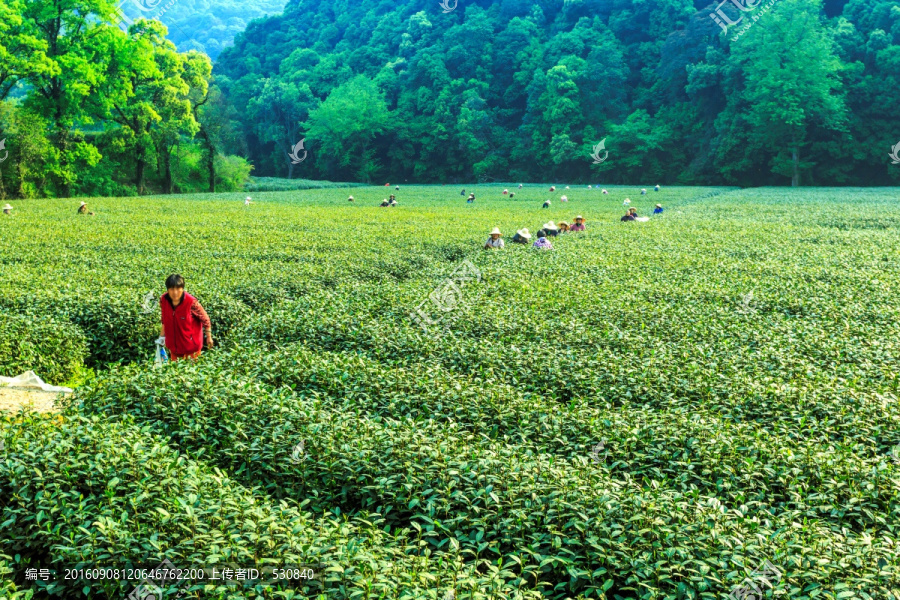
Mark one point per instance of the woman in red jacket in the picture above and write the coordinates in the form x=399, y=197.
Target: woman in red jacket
x=184, y=322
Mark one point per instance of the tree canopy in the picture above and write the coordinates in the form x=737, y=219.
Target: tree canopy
x=797, y=91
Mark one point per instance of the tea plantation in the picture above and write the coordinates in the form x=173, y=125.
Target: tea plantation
x=704, y=405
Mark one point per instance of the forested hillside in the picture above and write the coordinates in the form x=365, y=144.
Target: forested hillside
x=797, y=91
x=203, y=25
x=89, y=109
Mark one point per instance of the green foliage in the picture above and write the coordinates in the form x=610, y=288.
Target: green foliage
x=494, y=90
x=54, y=350
x=100, y=111
x=736, y=428
x=82, y=492
x=274, y=184
x=8, y=589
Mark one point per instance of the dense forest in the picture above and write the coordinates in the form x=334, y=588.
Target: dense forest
x=744, y=92
x=769, y=92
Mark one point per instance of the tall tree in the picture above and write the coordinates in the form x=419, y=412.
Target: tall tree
x=791, y=82
x=346, y=124
x=72, y=35
x=146, y=89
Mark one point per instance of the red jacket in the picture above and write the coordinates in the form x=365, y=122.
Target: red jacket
x=184, y=332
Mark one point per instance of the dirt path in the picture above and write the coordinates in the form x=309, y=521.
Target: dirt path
x=12, y=399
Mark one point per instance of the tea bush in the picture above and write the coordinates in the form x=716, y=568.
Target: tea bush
x=568, y=526
x=649, y=410
x=54, y=350
x=90, y=494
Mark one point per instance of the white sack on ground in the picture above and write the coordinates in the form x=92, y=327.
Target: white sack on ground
x=29, y=380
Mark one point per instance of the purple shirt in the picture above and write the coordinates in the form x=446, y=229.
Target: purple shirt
x=543, y=243
x=577, y=227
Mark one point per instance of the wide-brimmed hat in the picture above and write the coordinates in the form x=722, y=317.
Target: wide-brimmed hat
x=563, y=223
x=579, y=218
x=496, y=230
x=84, y=203
x=524, y=233
x=549, y=225
x=659, y=206
x=7, y=207
x=605, y=192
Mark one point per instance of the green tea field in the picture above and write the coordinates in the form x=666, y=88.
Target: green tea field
x=700, y=406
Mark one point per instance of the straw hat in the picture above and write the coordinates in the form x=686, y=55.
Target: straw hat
x=579, y=218
x=83, y=203
x=549, y=225
x=496, y=230
x=589, y=187
x=659, y=206
x=564, y=198
x=605, y=192
x=524, y=233
x=563, y=223
x=7, y=207
x=350, y=198
x=567, y=187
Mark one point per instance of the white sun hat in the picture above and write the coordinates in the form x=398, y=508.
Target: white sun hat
x=496, y=230
x=549, y=225
x=605, y=192
x=7, y=207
